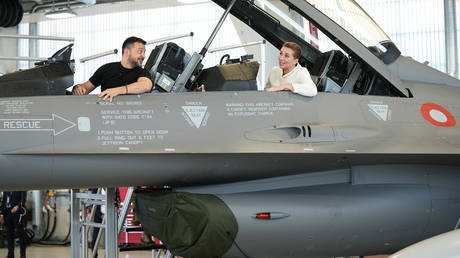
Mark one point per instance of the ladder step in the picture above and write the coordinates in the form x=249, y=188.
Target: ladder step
x=90, y=196
x=94, y=225
x=93, y=202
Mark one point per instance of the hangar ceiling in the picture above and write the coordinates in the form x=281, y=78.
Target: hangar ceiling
x=30, y=6
x=11, y=12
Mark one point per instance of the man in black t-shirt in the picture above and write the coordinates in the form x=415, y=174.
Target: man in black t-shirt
x=125, y=77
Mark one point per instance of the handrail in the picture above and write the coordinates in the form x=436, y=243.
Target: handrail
x=190, y=34
x=95, y=56
x=38, y=37
x=253, y=43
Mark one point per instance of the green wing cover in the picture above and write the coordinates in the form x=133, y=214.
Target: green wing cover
x=189, y=225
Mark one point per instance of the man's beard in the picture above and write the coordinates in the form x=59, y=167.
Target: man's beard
x=134, y=62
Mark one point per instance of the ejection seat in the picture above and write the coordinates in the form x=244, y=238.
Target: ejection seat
x=331, y=70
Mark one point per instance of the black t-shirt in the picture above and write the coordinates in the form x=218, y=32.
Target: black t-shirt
x=113, y=75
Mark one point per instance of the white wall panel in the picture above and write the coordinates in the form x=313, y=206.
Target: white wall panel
x=101, y=32
x=8, y=47
x=416, y=27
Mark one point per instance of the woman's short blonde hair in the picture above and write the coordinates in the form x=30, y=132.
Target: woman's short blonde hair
x=295, y=47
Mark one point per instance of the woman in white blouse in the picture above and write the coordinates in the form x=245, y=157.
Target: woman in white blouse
x=290, y=75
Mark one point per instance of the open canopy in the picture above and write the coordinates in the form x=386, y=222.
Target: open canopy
x=319, y=26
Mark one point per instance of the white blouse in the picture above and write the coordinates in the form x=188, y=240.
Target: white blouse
x=299, y=77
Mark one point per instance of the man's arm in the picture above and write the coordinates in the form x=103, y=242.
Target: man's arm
x=83, y=89
x=20, y=202
x=143, y=85
x=1, y=211
x=2, y=202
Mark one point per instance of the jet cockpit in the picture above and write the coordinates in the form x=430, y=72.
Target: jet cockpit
x=349, y=58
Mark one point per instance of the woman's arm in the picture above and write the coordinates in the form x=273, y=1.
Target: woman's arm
x=303, y=84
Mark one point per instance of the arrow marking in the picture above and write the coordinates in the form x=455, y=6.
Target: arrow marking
x=58, y=124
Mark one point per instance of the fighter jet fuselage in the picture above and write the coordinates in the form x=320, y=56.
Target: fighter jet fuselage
x=370, y=165
x=167, y=139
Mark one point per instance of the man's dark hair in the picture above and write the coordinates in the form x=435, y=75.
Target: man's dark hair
x=130, y=41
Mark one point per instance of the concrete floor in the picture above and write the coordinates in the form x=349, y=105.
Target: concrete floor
x=39, y=251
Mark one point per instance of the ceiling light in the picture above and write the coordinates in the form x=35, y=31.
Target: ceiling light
x=61, y=14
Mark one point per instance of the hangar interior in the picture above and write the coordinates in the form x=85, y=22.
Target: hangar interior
x=97, y=28
x=100, y=26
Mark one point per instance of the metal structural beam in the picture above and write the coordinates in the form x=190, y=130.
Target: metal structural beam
x=37, y=211
x=75, y=223
x=37, y=37
x=33, y=43
x=450, y=18
x=111, y=229
x=237, y=46
x=22, y=58
x=124, y=211
x=154, y=41
x=99, y=55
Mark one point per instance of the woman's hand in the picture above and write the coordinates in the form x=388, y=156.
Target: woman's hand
x=281, y=87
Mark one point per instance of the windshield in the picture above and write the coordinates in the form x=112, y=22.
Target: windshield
x=346, y=13
x=349, y=15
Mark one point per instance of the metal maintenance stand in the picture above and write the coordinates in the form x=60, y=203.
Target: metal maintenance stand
x=80, y=222
x=121, y=220
x=159, y=254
